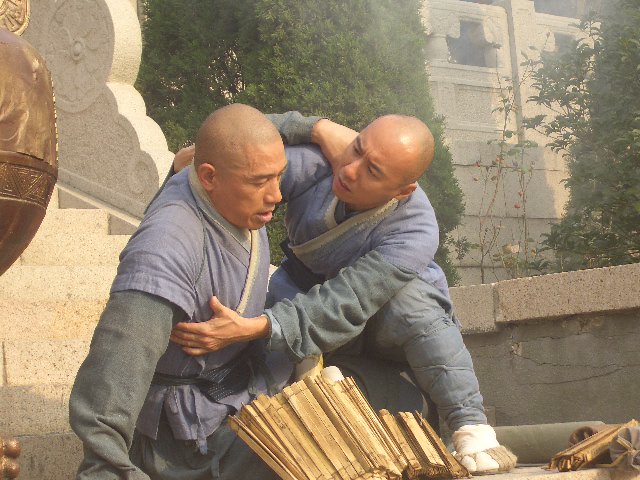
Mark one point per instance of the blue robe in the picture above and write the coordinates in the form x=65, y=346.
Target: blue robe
x=185, y=252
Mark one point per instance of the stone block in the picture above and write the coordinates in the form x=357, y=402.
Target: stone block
x=474, y=307
x=74, y=222
x=79, y=249
x=50, y=457
x=43, y=362
x=61, y=319
x=120, y=226
x=53, y=283
x=35, y=409
x=570, y=293
x=69, y=200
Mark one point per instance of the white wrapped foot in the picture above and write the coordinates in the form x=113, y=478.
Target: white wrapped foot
x=479, y=451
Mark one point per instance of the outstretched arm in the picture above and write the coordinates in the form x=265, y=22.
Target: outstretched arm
x=328, y=316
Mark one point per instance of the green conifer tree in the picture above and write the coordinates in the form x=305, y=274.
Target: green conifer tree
x=594, y=87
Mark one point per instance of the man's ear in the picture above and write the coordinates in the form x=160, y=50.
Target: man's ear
x=207, y=175
x=406, y=191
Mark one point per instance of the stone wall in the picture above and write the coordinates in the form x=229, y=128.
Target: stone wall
x=475, y=54
x=556, y=348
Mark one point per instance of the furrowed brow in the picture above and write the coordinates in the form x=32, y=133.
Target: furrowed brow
x=376, y=169
x=262, y=178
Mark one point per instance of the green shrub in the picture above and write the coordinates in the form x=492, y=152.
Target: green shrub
x=595, y=90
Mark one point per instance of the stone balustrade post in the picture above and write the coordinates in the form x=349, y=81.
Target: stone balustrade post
x=108, y=148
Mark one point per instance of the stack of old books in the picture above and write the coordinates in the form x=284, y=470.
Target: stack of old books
x=323, y=428
x=595, y=450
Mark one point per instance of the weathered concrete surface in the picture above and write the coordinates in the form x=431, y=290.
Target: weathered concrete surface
x=485, y=308
x=50, y=457
x=577, y=368
x=35, y=409
x=475, y=305
x=556, y=348
x=570, y=293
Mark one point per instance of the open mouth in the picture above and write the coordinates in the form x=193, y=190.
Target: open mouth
x=266, y=216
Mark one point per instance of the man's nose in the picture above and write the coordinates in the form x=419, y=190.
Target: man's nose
x=350, y=170
x=273, y=195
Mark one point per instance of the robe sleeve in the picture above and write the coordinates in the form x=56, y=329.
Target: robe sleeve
x=333, y=313
x=112, y=382
x=294, y=128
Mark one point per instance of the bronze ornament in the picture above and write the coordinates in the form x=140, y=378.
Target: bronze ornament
x=9, y=452
x=14, y=15
x=28, y=145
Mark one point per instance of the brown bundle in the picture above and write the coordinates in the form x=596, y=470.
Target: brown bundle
x=323, y=428
x=590, y=452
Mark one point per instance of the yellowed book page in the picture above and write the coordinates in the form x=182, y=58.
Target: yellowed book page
x=299, y=431
x=322, y=430
x=254, y=443
x=260, y=431
x=586, y=452
x=293, y=447
x=341, y=417
x=413, y=467
x=454, y=466
x=428, y=457
x=359, y=426
x=363, y=405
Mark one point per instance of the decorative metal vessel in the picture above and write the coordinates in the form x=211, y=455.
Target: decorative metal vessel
x=28, y=145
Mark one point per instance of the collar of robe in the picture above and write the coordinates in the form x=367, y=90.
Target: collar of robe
x=247, y=238
x=242, y=235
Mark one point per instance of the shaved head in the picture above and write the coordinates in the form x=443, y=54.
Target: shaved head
x=239, y=160
x=407, y=140
x=383, y=162
x=226, y=134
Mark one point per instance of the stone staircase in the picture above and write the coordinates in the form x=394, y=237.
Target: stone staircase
x=50, y=302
